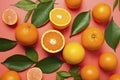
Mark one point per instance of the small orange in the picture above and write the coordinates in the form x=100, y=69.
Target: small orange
x=92, y=38
x=73, y=53
x=90, y=72
x=115, y=77
x=101, y=12
x=52, y=41
x=26, y=34
x=108, y=61
x=34, y=74
x=73, y=4
x=9, y=16
x=60, y=18
x=10, y=75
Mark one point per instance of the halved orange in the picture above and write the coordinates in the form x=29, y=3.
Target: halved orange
x=60, y=18
x=52, y=41
x=34, y=74
x=9, y=16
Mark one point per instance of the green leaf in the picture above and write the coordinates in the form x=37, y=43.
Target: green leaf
x=26, y=5
x=59, y=77
x=112, y=35
x=80, y=22
x=75, y=69
x=49, y=64
x=41, y=13
x=17, y=62
x=76, y=76
x=74, y=73
x=44, y=1
x=115, y=4
x=6, y=44
x=27, y=16
x=64, y=74
x=32, y=54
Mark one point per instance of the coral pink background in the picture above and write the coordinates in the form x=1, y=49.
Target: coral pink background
x=90, y=58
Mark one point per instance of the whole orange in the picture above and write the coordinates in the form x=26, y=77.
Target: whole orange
x=10, y=75
x=115, y=77
x=26, y=34
x=73, y=4
x=101, y=12
x=90, y=72
x=108, y=61
x=92, y=38
x=73, y=53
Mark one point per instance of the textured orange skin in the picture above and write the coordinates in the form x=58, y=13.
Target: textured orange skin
x=92, y=38
x=26, y=34
x=115, y=77
x=90, y=72
x=73, y=4
x=10, y=75
x=101, y=13
x=108, y=61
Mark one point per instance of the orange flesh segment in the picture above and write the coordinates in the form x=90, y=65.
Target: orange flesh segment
x=53, y=41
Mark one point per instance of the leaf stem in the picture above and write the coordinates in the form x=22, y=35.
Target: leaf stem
x=28, y=15
x=30, y=12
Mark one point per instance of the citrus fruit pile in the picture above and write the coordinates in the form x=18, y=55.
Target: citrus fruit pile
x=55, y=41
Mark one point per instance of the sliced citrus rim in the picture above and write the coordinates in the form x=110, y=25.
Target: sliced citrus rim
x=60, y=18
x=9, y=16
x=49, y=41
x=34, y=74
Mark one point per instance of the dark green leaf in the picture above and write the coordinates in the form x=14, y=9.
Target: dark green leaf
x=32, y=54
x=76, y=76
x=74, y=73
x=44, y=1
x=6, y=44
x=115, y=4
x=75, y=69
x=18, y=62
x=59, y=77
x=27, y=16
x=80, y=22
x=112, y=34
x=49, y=64
x=64, y=74
x=26, y=5
x=41, y=14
